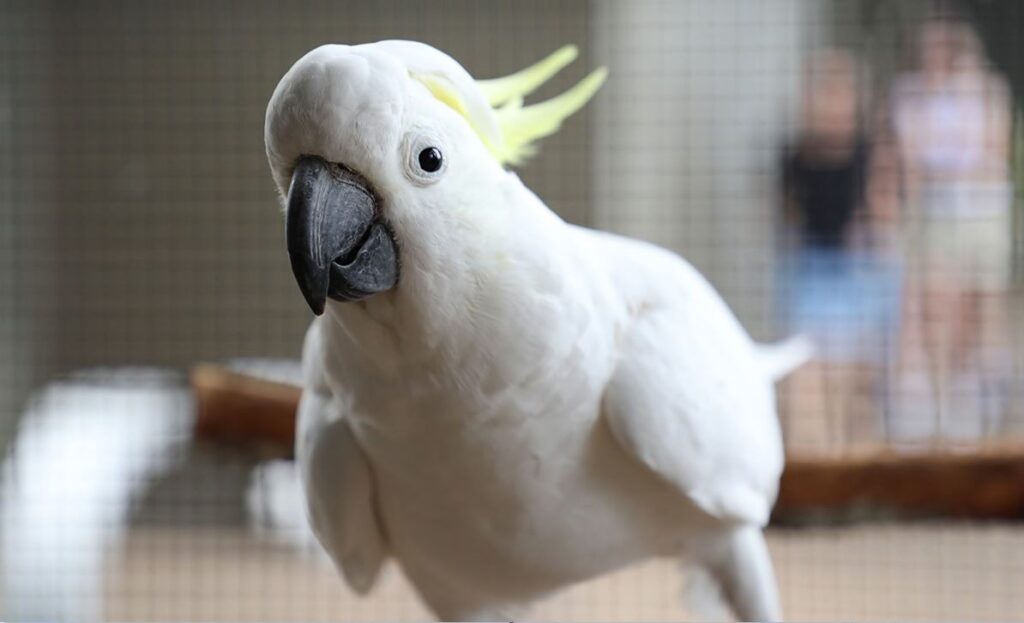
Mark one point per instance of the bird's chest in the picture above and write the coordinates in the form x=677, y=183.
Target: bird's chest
x=474, y=486
x=500, y=459
x=451, y=454
x=485, y=424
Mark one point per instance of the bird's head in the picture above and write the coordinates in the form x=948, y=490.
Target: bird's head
x=390, y=159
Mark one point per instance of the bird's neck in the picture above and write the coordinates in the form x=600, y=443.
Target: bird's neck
x=501, y=294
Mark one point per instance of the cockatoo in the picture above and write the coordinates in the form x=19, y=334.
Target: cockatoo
x=503, y=403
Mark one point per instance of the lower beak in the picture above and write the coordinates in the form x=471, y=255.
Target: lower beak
x=338, y=244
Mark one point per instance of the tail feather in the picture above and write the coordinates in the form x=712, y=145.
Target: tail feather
x=781, y=358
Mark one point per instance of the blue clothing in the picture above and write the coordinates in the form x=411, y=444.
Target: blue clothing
x=848, y=302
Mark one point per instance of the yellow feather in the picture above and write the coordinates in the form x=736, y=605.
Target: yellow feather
x=520, y=126
x=497, y=91
x=445, y=92
x=442, y=90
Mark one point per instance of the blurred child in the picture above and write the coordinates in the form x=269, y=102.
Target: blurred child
x=952, y=120
x=838, y=288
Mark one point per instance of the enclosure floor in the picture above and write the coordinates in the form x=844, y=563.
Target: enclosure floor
x=881, y=572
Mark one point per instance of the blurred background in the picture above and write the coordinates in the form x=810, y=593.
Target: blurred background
x=847, y=169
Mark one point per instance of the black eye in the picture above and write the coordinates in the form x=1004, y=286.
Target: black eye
x=431, y=159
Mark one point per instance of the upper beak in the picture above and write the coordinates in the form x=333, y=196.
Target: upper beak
x=337, y=242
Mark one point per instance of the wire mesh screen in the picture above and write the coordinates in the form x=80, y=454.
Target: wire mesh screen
x=846, y=170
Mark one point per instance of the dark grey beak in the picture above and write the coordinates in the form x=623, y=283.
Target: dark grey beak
x=337, y=242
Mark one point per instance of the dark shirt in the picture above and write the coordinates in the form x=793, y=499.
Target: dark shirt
x=825, y=193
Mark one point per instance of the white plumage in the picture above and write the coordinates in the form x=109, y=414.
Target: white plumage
x=534, y=403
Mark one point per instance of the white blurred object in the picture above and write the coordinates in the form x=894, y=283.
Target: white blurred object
x=277, y=508
x=275, y=499
x=86, y=450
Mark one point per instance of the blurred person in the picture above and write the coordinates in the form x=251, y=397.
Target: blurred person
x=838, y=288
x=951, y=116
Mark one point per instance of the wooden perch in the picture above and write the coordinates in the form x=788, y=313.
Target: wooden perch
x=986, y=481
x=243, y=410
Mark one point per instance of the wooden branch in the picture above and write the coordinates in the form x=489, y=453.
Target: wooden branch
x=983, y=481
x=243, y=410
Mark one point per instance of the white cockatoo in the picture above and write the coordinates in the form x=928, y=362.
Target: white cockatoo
x=503, y=403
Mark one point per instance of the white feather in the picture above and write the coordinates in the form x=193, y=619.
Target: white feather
x=782, y=358
x=277, y=508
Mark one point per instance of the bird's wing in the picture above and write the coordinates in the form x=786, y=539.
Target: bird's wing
x=338, y=481
x=691, y=401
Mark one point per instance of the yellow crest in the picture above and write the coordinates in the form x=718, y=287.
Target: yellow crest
x=518, y=126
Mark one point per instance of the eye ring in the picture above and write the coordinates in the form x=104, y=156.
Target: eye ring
x=426, y=158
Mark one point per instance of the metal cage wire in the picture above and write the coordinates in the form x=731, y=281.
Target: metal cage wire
x=140, y=234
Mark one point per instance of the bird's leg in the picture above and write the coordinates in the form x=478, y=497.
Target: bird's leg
x=738, y=559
